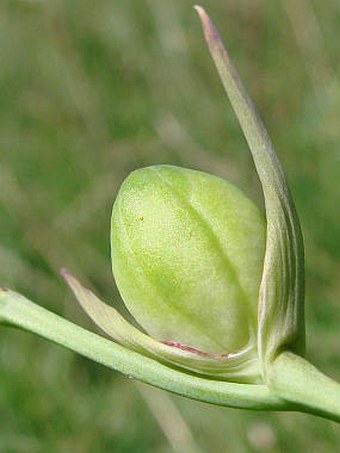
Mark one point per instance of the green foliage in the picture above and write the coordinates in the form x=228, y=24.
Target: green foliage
x=93, y=90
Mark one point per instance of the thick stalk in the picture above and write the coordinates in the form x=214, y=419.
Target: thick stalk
x=299, y=382
x=294, y=383
x=18, y=311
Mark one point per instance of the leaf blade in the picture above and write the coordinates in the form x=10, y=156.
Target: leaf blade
x=281, y=299
x=239, y=367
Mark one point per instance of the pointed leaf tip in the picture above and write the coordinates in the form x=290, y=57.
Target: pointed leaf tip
x=69, y=279
x=63, y=272
x=210, y=32
x=198, y=8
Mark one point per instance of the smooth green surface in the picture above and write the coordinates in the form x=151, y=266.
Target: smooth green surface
x=93, y=90
x=187, y=255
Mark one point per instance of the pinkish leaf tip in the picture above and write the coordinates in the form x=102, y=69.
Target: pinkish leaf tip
x=64, y=273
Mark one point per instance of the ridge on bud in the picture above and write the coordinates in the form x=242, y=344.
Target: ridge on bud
x=187, y=256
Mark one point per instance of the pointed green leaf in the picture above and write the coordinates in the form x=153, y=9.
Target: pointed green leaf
x=241, y=367
x=281, y=314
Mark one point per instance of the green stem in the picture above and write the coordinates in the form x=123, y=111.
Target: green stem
x=297, y=381
x=294, y=383
x=18, y=311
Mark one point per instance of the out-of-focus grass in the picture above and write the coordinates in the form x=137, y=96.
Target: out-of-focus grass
x=89, y=92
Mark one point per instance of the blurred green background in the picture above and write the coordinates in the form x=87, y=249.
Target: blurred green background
x=91, y=90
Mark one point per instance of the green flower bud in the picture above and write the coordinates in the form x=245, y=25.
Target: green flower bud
x=187, y=257
x=216, y=291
